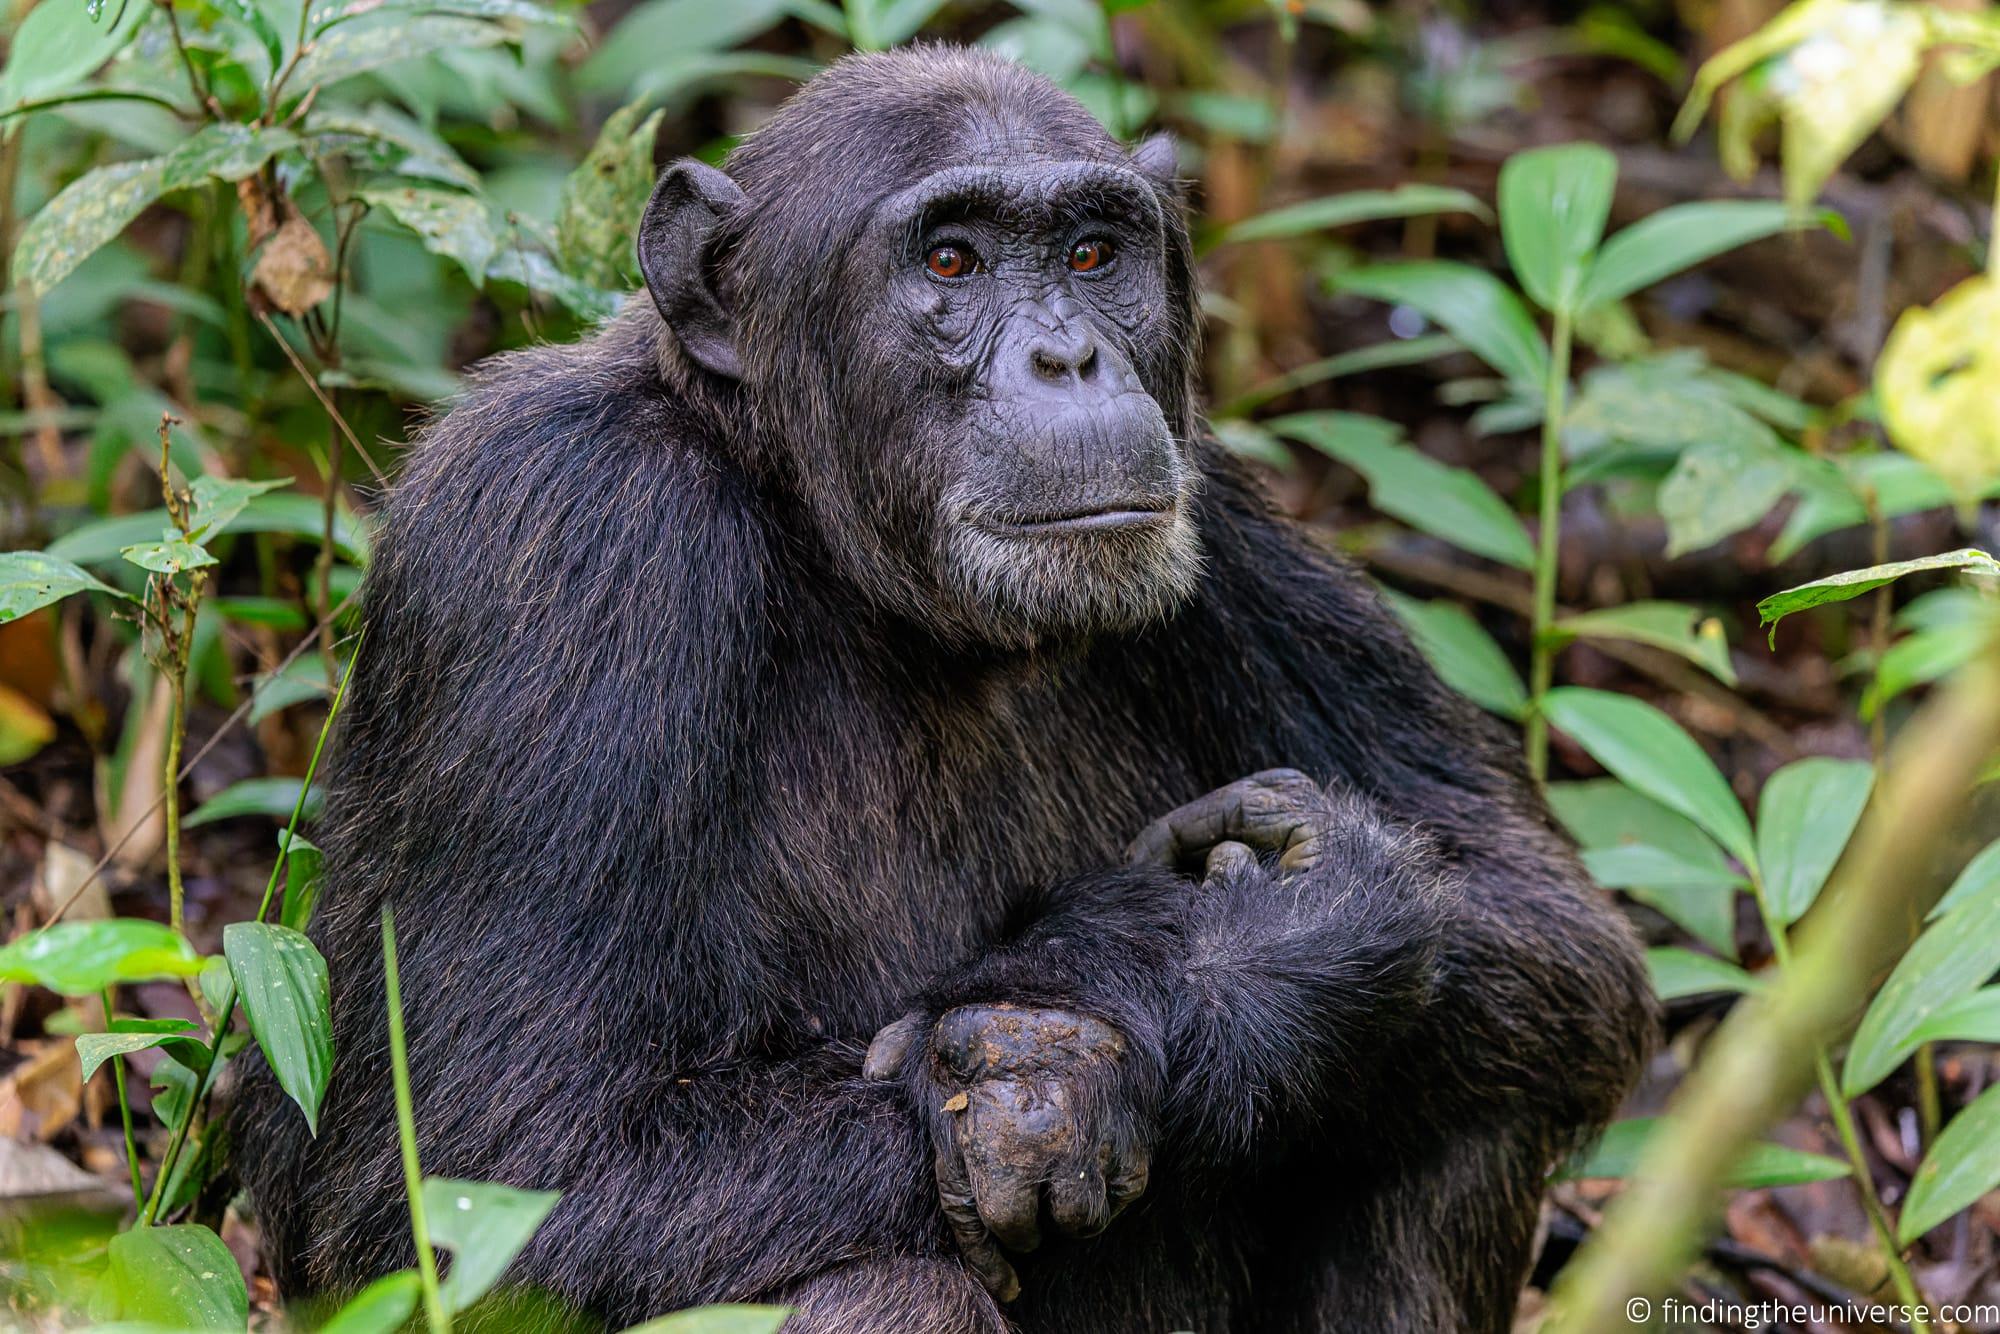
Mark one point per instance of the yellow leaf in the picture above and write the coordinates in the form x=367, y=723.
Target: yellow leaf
x=1938, y=379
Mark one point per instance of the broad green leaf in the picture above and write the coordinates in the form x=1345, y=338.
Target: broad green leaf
x=539, y=274
x=1446, y=502
x=1924, y=657
x=218, y=500
x=1841, y=495
x=383, y=1307
x=1720, y=488
x=877, y=25
x=179, y=1278
x=31, y=580
x=1973, y=1018
x=603, y=198
x=356, y=48
x=1627, y=836
x=1979, y=880
x=172, y=554
x=1249, y=440
x=1616, y=1156
x=520, y=11
x=1937, y=379
x=304, y=868
x=1315, y=215
x=670, y=31
x=58, y=43
x=1397, y=352
x=1553, y=205
x=1962, y=1166
x=1666, y=404
x=255, y=796
x=224, y=151
x=485, y=1225
x=450, y=223
x=1677, y=973
x=83, y=958
x=91, y=210
x=282, y=982
x=1462, y=653
x=94, y=1049
x=1954, y=955
x=296, y=515
x=1676, y=238
x=1673, y=626
x=1648, y=750
x=1807, y=812
x=1853, y=583
x=718, y=1320
x=392, y=141
x=1470, y=304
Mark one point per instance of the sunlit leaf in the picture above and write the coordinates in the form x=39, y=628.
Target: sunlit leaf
x=1962, y=1165
x=1317, y=215
x=1805, y=816
x=485, y=1225
x=455, y=225
x=1938, y=378
x=356, y=48
x=297, y=515
x=31, y=580
x=1853, y=583
x=1446, y=502
x=1673, y=626
x=1471, y=304
x=172, y=554
x=282, y=982
x=83, y=958
x=1462, y=653
x=1616, y=1156
x=180, y=1278
x=94, y=1049
x=90, y=211
x=224, y=151
x=1553, y=205
x=1648, y=750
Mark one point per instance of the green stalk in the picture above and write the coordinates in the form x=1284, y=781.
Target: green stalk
x=435, y=1315
x=1541, y=665
x=312, y=768
x=125, y=1113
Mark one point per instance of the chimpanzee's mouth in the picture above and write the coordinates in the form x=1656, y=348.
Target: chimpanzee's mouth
x=1116, y=517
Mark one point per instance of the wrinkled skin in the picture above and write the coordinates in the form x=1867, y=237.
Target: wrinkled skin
x=759, y=704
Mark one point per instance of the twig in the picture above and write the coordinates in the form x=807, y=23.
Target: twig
x=305, y=374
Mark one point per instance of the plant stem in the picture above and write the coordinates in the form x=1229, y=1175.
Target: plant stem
x=125, y=1113
x=312, y=768
x=1541, y=670
x=435, y=1315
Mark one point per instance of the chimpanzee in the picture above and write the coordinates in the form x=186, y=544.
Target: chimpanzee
x=782, y=733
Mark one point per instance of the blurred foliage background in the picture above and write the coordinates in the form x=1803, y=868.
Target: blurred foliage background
x=1605, y=337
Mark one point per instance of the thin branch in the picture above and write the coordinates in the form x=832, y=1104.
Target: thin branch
x=306, y=374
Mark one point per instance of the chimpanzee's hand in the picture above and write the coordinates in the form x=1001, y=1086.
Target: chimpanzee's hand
x=1278, y=810
x=1027, y=1116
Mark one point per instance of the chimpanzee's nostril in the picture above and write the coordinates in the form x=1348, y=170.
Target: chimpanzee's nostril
x=1048, y=365
x=1058, y=364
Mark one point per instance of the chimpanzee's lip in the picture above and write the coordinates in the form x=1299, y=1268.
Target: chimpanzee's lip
x=1097, y=519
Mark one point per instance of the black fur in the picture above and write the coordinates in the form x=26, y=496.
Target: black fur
x=678, y=800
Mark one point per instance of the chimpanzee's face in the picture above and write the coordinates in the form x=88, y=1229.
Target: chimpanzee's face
x=1023, y=308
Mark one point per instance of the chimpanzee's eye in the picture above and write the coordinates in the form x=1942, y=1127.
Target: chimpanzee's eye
x=1092, y=254
x=951, y=261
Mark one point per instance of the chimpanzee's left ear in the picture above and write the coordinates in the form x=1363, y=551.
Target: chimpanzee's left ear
x=680, y=222
x=1158, y=159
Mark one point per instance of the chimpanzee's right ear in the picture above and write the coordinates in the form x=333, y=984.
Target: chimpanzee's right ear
x=674, y=254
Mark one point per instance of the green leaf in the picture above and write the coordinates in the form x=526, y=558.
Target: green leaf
x=1953, y=956
x=1722, y=487
x=383, y=1307
x=60, y=42
x=1626, y=835
x=282, y=981
x=519, y=11
x=1396, y=352
x=179, y=1278
x=1677, y=973
x=31, y=580
x=604, y=197
x=1616, y=1156
x=1853, y=583
x=255, y=796
x=1673, y=626
x=356, y=48
x=1470, y=304
x=1677, y=238
x=1924, y=657
x=485, y=1225
x=218, y=500
x=224, y=151
x=304, y=870
x=1249, y=440
x=90, y=211
x=1979, y=880
x=391, y=141
x=1962, y=1166
x=1553, y=205
x=731, y=1319
x=1315, y=215
x=1648, y=750
x=1807, y=813
x=679, y=32
x=877, y=25
x=83, y=958
x=172, y=554
x=1462, y=653
x=1973, y=1018
x=451, y=224
x=94, y=1049
x=539, y=274
x=1448, y=503
x=295, y=515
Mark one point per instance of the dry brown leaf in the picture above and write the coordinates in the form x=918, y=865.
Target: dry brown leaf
x=134, y=802
x=294, y=272
x=43, y=1095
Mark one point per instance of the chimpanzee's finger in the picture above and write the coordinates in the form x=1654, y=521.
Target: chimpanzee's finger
x=1125, y=1181
x=1077, y=1202
x=1227, y=859
x=1266, y=810
x=1007, y=1135
x=891, y=1046
x=961, y=1215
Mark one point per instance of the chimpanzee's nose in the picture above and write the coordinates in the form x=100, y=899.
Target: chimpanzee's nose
x=1063, y=358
